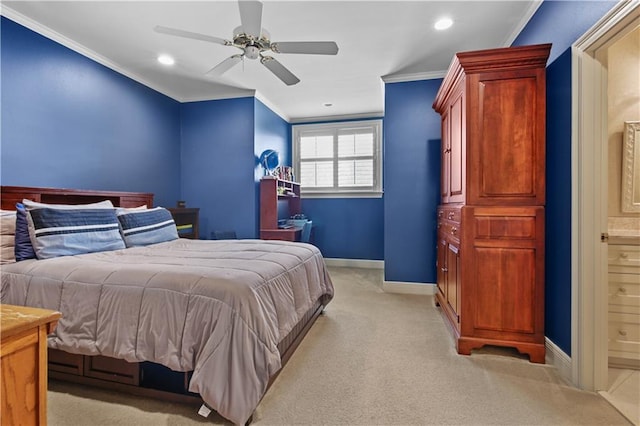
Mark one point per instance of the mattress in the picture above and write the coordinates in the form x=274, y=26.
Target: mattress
x=217, y=308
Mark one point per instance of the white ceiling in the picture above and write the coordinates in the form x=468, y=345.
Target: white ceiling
x=378, y=41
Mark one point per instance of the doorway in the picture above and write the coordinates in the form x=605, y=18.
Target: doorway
x=589, y=196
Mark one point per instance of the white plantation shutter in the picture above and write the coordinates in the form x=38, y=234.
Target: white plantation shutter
x=339, y=159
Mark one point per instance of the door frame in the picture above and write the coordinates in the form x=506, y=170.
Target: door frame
x=589, y=151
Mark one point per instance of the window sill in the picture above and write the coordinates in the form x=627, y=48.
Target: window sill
x=344, y=194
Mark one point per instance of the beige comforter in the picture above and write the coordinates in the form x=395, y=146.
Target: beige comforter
x=217, y=308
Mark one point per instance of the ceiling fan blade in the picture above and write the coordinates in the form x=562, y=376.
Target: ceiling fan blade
x=279, y=70
x=251, y=17
x=189, y=34
x=308, y=47
x=225, y=65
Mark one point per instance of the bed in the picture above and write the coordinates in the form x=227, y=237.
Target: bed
x=224, y=314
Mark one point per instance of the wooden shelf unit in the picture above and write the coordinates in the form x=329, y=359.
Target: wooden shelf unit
x=185, y=216
x=273, y=190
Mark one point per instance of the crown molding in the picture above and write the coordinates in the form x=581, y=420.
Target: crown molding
x=259, y=96
x=603, y=31
x=401, y=78
x=332, y=118
x=242, y=93
x=522, y=23
x=79, y=48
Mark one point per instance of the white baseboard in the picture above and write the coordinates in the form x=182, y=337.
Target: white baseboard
x=428, y=289
x=560, y=360
x=355, y=263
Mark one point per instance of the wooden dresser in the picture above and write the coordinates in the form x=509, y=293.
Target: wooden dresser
x=23, y=354
x=491, y=220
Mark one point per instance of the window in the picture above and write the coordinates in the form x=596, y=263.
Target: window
x=339, y=159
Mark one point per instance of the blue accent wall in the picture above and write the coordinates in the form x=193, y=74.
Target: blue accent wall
x=411, y=181
x=271, y=132
x=218, y=163
x=560, y=23
x=70, y=122
x=558, y=208
x=347, y=228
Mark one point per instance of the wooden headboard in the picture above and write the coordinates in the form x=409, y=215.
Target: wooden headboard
x=10, y=195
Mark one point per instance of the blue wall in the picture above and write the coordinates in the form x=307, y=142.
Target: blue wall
x=558, y=208
x=218, y=164
x=347, y=228
x=411, y=180
x=70, y=122
x=271, y=132
x=560, y=23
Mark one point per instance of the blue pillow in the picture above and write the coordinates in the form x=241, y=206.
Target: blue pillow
x=66, y=232
x=23, y=248
x=143, y=227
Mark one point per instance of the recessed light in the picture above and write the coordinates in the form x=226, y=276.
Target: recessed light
x=443, y=24
x=166, y=60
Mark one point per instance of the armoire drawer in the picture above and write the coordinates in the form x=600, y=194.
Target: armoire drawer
x=450, y=229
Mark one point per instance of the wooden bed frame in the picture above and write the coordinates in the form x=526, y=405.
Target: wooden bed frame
x=143, y=378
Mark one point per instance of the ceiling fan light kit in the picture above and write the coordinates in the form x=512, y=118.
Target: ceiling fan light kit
x=254, y=41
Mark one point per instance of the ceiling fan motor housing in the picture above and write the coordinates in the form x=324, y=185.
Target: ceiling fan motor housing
x=252, y=52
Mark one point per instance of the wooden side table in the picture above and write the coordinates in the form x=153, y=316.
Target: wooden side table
x=23, y=358
x=187, y=221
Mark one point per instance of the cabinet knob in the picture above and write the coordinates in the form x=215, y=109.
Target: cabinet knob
x=623, y=255
x=450, y=215
x=622, y=290
x=448, y=150
x=444, y=269
x=622, y=332
x=454, y=230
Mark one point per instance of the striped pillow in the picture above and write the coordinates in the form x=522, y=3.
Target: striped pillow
x=66, y=232
x=143, y=227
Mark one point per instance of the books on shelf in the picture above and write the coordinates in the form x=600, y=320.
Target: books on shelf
x=185, y=229
x=285, y=173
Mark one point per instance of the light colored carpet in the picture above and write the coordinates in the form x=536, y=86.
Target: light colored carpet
x=373, y=358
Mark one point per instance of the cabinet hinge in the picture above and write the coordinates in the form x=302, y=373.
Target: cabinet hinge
x=604, y=237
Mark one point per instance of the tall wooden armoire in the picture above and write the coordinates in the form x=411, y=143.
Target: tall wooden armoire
x=491, y=220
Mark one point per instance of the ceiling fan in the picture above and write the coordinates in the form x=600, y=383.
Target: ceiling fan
x=254, y=41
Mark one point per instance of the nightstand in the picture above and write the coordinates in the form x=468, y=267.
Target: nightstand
x=187, y=221
x=24, y=363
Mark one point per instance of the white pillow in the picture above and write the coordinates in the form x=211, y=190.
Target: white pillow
x=7, y=236
x=123, y=210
